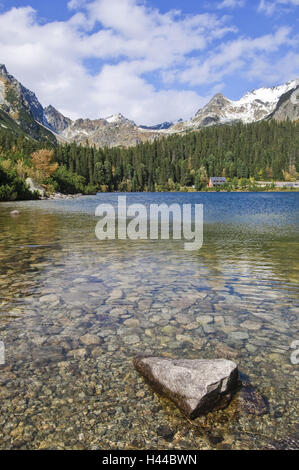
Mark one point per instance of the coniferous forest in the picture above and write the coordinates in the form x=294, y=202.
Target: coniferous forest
x=258, y=151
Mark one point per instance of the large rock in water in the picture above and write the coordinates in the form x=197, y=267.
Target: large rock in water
x=196, y=386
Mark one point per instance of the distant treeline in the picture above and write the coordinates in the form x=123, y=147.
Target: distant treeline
x=264, y=150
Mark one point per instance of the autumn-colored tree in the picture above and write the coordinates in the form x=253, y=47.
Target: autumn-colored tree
x=269, y=171
x=21, y=169
x=6, y=164
x=201, y=178
x=43, y=163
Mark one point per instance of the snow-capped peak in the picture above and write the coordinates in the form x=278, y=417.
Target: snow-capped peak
x=266, y=95
x=253, y=106
x=115, y=118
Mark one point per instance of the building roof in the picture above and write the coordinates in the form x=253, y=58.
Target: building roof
x=217, y=178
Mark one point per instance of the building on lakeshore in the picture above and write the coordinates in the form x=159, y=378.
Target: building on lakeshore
x=279, y=184
x=216, y=181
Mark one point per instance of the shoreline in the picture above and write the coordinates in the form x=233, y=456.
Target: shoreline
x=60, y=196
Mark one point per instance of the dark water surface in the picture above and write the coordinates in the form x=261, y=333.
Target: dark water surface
x=75, y=310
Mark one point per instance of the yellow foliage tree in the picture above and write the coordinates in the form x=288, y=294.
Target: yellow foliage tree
x=6, y=164
x=21, y=169
x=42, y=161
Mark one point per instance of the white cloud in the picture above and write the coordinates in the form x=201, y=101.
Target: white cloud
x=238, y=55
x=50, y=58
x=76, y=4
x=281, y=71
x=269, y=7
x=230, y=4
x=149, y=64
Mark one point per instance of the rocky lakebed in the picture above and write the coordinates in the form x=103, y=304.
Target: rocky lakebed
x=75, y=312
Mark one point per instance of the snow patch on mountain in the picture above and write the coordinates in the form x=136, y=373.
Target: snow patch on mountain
x=267, y=95
x=116, y=119
x=253, y=106
x=261, y=101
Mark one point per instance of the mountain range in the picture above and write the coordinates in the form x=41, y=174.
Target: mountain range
x=22, y=113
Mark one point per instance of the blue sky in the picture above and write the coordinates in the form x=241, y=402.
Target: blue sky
x=152, y=60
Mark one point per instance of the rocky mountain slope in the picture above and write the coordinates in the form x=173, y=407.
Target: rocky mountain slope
x=22, y=107
x=113, y=131
x=287, y=106
x=252, y=107
x=56, y=120
x=117, y=130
